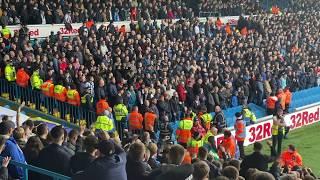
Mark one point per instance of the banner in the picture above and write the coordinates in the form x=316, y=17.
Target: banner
x=44, y=30
x=12, y=115
x=262, y=130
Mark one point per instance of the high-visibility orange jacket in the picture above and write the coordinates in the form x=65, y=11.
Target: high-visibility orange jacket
x=187, y=158
x=47, y=88
x=282, y=97
x=22, y=78
x=135, y=120
x=240, y=129
x=288, y=96
x=184, y=131
x=101, y=106
x=228, y=29
x=229, y=145
x=218, y=23
x=291, y=159
x=244, y=31
x=271, y=102
x=149, y=119
x=73, y=97
x=60, y=93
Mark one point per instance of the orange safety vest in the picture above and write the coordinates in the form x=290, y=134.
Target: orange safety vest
x=47, y=88
x=240, y=129
x=60, y=93
x=228, y=29
x=73, y=97
x=282, y=96
x=149, y=119
x=135, y=120
x=291, y=159
x=288, y=96
x=271, y=102
x=22, y=78
x=229, y=145
x=101, y=106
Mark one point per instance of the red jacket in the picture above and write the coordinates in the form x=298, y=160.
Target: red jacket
x=182, y=93
x=135, y=120
x=291, y=159
x=101, y=106
x=22, y=78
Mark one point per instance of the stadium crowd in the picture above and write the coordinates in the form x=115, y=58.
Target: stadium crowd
x=140, y=81
x=84, y=154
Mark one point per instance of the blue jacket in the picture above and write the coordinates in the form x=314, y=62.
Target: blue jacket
x=13, y=150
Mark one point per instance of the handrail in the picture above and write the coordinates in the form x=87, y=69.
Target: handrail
x=40, y=114
x=27, y=167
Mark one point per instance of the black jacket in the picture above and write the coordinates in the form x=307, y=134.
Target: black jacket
x=54, y=158
x=136, y=169
x=4, y=173
x=255, y=160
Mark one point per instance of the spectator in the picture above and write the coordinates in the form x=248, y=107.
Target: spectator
x=219, y=119
x=19, y=136
x=42, y=133
x=110, y=163
x=135, y=167
x=5, y=162
x=50, y=157
x=70, y=145
x=12, y=149
x=31, y=152
x=230, y=172
x=201, y=171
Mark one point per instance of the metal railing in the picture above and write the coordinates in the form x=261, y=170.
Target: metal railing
x=26, y=168
x=48, y=105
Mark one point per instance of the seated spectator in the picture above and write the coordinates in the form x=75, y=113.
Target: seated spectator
x=81, y=160
x=12, y=149
x=110, y=163
x=50, y=157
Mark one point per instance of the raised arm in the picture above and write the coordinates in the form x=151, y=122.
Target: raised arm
x=18, y=114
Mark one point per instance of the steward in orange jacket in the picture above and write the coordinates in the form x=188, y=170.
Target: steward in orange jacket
x=184, y=130
x=240, y=128
x=73, y=96
x=22, y=78
x=227, y=148
x=218, y=23
x=288, y=98
x=271, y=104
x=47, y=88
x=291, y=158
x=101, y=106
x=282, y=98
x=228, y=29
x=149, y=120
x=135, y=120
x=60, y=93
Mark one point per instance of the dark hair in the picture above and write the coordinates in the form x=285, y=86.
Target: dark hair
x=203, y=153
x=211, y=140
x=230, y=172
x=292, y=147
x=90, y=143
x=227, y=133
x=73, y=133
x=137, y=151
x=34, y=142
x=41, y=129
x=235, y=163
x=57, y=132
x=257, y=146
x=263, y=176
x=5, y=127
x=29, y=123
x=201, y=170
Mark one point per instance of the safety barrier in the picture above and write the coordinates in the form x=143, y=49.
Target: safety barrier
x=36, y=100
x=26, y=168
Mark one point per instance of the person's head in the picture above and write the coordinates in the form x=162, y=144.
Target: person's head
x=135, y=109
x=235, y=163
x=227, y=134
x=202, y=153
x=19, y=134
x=291, y=148
x=230, y=172
x=217, y=109
x=211, y=140
x=137, y=151
x=279, y=112
x=34, y=143
x=146, y=137
x=257, y=146
x=153, y=148
x=57, y=135
x=263, y=176
x=6, y=128
x=214, y=130
x=176, y=154
x=250, y=173
x=90, y=144
x=106, y=148
x=201, y=171
x=42, y=130
x=73, y=136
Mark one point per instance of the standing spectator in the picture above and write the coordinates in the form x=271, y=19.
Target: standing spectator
x=136, y=168
x=219, y=120
x=42, y=133
x=109, y=165
x=31, y=152
x=277, y=132
x=70, y=145
x=50, y=157
x=12, y=149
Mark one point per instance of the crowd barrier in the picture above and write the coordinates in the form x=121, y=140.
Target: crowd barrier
x=36, y=100
x=303, y=116
x=26, y=168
